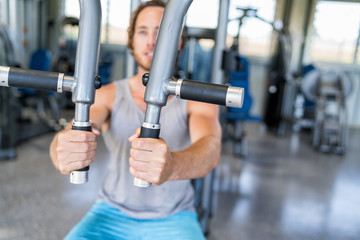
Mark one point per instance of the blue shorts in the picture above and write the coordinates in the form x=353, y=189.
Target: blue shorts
x=106, y=222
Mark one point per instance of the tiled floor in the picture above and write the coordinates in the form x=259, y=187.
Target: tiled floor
x=284, y=190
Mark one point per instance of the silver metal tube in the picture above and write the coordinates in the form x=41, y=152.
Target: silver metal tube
x=162, y=67
x=234, y=97
x=217, y=74
x=4, y=76
x=152, y=113
x=68, y=84
x=171, y=87
x=86, y=68
x=130, y=62
x=82, y=111
x=87, y=54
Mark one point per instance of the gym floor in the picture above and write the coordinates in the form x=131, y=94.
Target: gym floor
x=284, y=190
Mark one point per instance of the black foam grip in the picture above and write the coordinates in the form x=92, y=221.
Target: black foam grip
x=203, y=92
x=149, y=133
x=32, y=79
x=88, y=128
x=83, y=169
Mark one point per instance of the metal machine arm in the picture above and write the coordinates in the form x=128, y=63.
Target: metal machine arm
x=86, y=69
x=159, y=83
x=83, y=83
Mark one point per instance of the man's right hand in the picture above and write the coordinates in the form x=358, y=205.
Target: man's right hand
x=75, y=149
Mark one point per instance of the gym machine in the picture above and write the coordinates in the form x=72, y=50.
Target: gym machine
x=82, y=84
x=159, y=82
x=8, y=106
x=328, y=89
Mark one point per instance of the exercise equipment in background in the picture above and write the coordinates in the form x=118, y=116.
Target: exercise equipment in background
x=328, y=90
x=237, y=71
x=9, y=108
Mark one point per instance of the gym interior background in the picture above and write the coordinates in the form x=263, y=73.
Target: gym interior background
x=290, y=166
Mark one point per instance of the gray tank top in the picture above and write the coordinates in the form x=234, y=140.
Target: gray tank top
x=118, y=189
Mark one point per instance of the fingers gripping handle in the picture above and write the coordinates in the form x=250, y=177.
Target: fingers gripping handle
x=147, y=131
x=80, y=176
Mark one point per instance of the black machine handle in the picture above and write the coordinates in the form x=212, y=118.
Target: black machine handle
x=149, y=132
x=207, y=92
x=203, y=92
x=33, y=79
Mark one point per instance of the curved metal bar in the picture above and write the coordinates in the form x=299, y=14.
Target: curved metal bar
x=162, y=67
x=87, y=54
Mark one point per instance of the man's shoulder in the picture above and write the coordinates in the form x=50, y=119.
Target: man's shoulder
x=106, y=94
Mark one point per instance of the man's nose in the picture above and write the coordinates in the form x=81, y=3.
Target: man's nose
x=152, y=39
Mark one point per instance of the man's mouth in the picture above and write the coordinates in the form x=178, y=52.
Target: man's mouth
x=150, y=54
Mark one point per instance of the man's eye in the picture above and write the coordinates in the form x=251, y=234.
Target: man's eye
x=142, y=32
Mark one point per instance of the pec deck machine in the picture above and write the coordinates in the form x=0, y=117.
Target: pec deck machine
x=159, y=82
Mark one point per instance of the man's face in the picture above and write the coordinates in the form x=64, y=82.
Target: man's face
x=146, y=28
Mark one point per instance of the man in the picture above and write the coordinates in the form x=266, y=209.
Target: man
x=189, y=147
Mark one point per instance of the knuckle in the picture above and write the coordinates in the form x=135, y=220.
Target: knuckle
x=157, y=180
x=138, y=143
x=61, y=159
x=83, y=136
x=131, y=152
x=162, y=160
x=162, y=147
x=93, y=154
x=61, y=137
x=135, y=153
x=83, y=156
x=63, y=170
x=132, y=171
x=83, y=147
x=87, y=147
x=59, y=149
x=89, y=136
x=84, y=164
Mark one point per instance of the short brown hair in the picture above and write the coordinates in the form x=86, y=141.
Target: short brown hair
x=134, y=16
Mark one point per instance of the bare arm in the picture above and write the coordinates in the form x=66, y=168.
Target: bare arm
x=73, y=149
x=203, y=155
x=151, y=160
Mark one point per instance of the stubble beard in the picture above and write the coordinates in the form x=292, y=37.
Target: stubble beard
x=143, y=64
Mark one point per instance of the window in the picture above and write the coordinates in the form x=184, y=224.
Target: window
x=117, y=15
x=203, y=14
x=336, y=29
x=115, y=20
x=255, y=35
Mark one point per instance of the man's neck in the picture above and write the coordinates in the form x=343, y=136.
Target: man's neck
x=136, y=82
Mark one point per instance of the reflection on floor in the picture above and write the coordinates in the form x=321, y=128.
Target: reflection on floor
x=284, y=190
